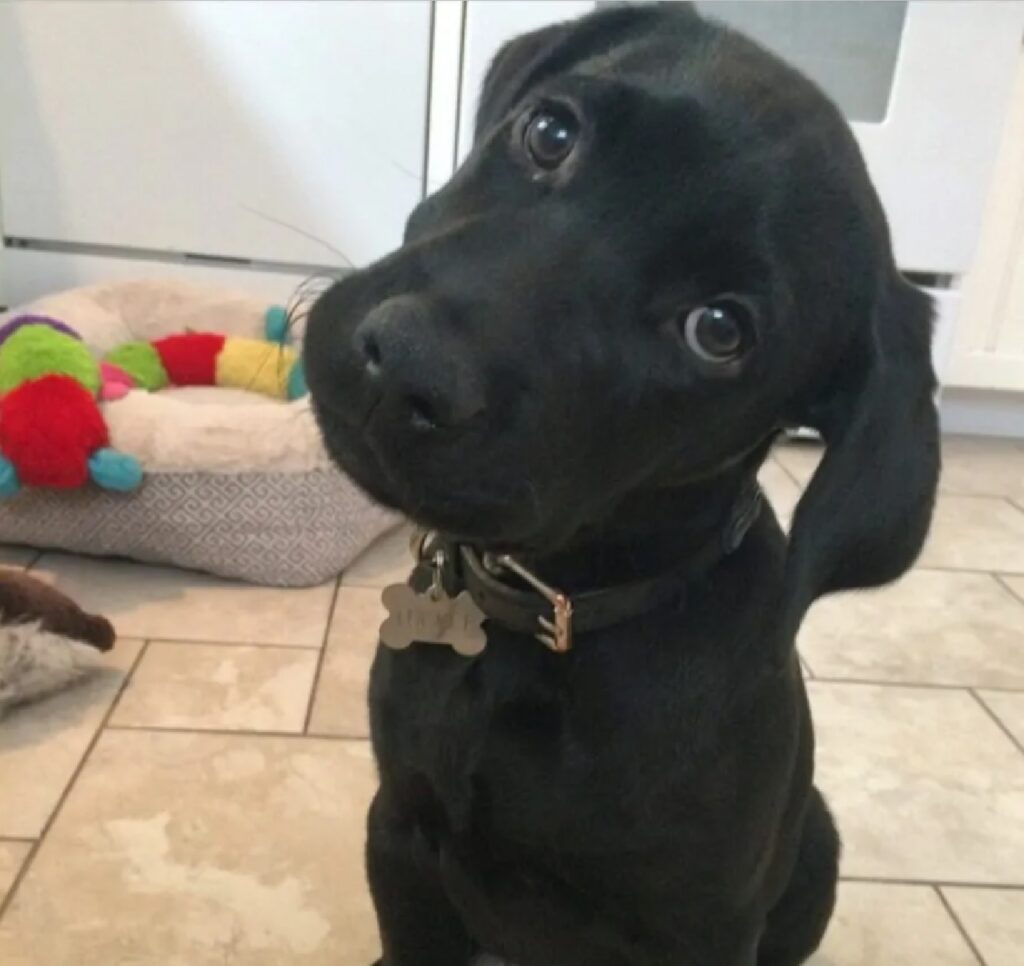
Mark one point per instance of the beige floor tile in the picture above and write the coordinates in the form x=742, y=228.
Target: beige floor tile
x=169, y=604
x=801, y=459
x=340, y=704
x=12, y=856
x=892, y=925
x=976, y=533
x=16, y=558
x=924, y=784
x=198, y=849
x=936, y=627
x=1008, y=707
x=979, y=466
x=386, y=561
x=971, y=465
x=1016, y=585
x=779, y=487
x=42, y=744
x=216, y=686
x=994, y=919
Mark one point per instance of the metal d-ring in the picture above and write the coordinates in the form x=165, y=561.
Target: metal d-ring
x=555, y=633
x=436, y=569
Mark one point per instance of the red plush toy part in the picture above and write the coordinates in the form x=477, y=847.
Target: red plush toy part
x=190, y=358
x=49, y=427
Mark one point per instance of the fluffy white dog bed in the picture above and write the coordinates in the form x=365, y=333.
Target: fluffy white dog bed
x=235, y=483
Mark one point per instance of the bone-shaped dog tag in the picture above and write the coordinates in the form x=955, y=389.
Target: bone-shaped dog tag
x=419, y=617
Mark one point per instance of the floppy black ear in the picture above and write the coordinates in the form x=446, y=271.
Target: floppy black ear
x=509, y=72
x=531, y=57
x=865, y=514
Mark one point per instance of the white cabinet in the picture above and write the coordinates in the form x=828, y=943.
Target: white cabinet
x=988, y=351
x=244, y=130
x=925, y=86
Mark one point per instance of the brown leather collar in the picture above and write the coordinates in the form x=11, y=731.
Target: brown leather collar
x=512, y=596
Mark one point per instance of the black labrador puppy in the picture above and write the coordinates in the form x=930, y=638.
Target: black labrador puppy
x=663, y=248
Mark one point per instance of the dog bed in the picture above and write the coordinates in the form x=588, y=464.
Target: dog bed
x=234, y=483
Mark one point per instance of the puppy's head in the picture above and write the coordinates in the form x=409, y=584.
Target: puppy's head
x=663, y=247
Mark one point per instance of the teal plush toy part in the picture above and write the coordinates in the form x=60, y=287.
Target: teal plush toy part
x=276, y=325
x=277, y=329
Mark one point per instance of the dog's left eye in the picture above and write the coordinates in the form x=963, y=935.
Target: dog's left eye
x=718, y=332
x=550, y=136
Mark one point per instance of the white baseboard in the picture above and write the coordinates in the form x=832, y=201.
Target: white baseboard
x=978, y=412
x=26, y=274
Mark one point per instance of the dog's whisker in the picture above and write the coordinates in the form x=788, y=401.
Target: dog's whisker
x=299, y=231
x=303, y=296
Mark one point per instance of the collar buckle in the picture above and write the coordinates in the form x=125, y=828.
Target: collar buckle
x=555, y=633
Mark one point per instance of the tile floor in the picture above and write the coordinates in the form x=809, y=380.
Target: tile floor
x=201, y=800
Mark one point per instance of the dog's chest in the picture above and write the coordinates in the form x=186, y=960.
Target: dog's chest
x=523, y=745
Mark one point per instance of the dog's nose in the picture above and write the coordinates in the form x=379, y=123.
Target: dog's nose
x=416, y=367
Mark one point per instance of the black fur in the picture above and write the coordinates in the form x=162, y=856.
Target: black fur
x=513, y=376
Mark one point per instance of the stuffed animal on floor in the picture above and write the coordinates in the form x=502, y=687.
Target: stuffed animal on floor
x=52, y=430
x=47, y=641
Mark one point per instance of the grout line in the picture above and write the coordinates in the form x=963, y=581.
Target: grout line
x=16, y=840
x=959, y=925
x=967, y=570
x=996, y=497
x=184, y=642
x=937, y=883
x=112, y=710
x=233, y=732
x=1005, y=584
x=329, y=737
x=997, y=720
x=911, y=685
x=63, y=797
x=787, y=472
x=1000, y=688
x=322, y=657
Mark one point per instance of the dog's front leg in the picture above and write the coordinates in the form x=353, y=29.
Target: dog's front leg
x=418, y=924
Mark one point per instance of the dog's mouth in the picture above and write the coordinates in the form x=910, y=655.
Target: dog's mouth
x=432, y=483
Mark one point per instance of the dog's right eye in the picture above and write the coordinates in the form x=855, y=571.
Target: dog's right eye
x=550, y=136
x=718, y=332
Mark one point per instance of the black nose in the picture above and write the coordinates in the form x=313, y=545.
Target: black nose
x=417, y=365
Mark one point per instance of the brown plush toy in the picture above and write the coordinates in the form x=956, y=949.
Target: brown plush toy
x=46, y=640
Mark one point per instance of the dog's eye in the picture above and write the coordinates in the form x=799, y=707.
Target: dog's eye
x=718, y=332
x=550, y=136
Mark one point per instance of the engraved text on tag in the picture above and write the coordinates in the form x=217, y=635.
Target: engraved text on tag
x=414, y=617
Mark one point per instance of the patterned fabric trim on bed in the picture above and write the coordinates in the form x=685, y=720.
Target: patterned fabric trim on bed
x=233, y=525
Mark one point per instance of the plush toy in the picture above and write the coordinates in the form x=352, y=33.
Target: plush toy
x=52, y=430
x=206, y=359
x=46, y=640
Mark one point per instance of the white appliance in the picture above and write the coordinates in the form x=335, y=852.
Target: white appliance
x=252, y=142
x=925, y=86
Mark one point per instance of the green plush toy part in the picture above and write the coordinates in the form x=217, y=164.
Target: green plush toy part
x=52, y=431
